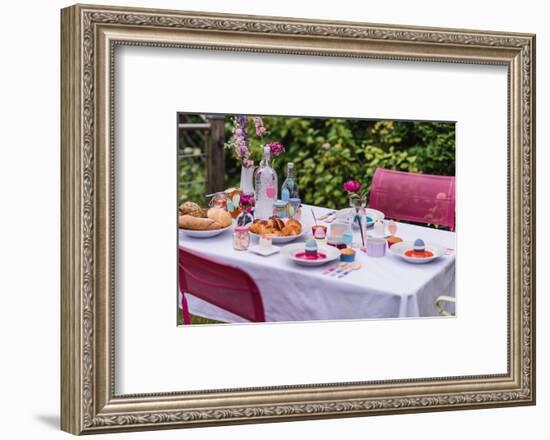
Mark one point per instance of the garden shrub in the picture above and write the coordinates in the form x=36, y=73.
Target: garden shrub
x=328, y=152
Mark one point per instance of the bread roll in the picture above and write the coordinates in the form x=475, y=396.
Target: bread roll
x=197, y=223
x=220, y=216
x=190, y=208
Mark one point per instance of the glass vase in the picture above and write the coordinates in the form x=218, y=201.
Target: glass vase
x=247, y=179
x=358, y=202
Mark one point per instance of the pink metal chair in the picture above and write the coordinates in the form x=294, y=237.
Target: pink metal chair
x=227, y=287
x=421, y=198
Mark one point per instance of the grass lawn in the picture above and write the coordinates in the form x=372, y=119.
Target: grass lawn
x=197, y=319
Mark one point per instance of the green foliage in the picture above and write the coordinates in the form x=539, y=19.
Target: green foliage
x=191, y=169
x=328, y=152
x=435, y=147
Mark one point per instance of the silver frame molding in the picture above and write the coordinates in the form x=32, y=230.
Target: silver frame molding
x=89, y=35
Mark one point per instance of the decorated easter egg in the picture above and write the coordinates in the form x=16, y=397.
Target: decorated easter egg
x=419, y=245
x=311, y=246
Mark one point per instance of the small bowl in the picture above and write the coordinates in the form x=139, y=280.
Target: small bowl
x=347, y=255
x=399, y=249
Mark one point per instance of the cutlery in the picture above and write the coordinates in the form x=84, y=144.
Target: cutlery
x=325, y=217
x=354, y=266
x=341, y=269
x=333, y=268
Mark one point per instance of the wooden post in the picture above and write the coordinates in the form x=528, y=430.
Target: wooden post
x=215, y=159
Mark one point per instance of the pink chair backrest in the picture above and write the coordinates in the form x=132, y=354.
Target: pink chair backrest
x=227, y=287
x=414, y=197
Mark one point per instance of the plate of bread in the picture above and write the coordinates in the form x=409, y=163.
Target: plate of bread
x=281, y=231
x=199, y=222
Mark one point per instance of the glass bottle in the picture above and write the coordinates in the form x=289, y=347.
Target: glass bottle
x=289, y=190
x=265, y=187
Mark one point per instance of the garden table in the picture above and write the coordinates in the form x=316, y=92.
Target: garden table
x=386, y=287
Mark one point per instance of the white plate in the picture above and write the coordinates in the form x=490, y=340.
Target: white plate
x=348, y=214
x=264, y=253
x=203, y=234
x=399, y=249
x=281, y=239
x=291, y=250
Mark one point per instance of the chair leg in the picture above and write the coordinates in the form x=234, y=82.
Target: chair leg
x=439, y=304
x=185, y=310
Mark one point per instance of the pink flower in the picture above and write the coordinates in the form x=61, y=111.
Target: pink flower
x=352, y=186
x=259, y=124
x=276, y=148
x=247, y=200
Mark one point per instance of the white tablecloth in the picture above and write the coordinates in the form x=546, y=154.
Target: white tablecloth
x=385, y=287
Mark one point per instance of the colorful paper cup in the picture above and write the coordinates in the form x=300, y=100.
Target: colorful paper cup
x=376, y=247
x=347, y=255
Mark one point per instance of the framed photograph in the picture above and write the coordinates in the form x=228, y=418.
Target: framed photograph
x=269, y=219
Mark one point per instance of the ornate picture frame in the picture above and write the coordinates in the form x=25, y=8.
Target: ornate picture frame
x=89, y=35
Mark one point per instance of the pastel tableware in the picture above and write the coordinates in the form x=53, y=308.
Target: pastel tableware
x=264, y=252
x=265, y=243
x=394, y=240
x=419, y=250
x=337, y=230
x=319, y=232
x=351, y=268
x=376, y=247
x=336, y=242
x=296, y=253
x=379, y=229
x=401, y=249
x=392, y=228
x=340, y=270
x=347, y=255
x=333, y=268
x=347, y=238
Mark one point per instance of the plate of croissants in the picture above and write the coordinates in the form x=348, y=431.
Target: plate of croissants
x=281, y=231
x=199, y=222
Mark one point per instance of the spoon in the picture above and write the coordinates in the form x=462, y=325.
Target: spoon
x=354, y=266
x=333, y=268
x=341, y=269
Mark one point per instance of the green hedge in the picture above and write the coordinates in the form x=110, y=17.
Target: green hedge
x=328, y=152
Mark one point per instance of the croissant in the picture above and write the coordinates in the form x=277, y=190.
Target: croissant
x=277, y=223
x=258, y=226
x=295, y=224
x=291, y=229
